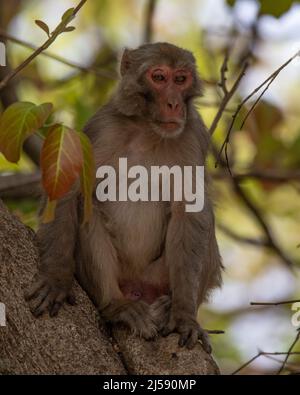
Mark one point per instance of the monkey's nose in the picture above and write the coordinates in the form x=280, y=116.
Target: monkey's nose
x=174, y=109
x=173, y=106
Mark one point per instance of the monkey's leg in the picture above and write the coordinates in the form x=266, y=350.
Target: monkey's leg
x=56, y=241
x=186, y=253
x=98, y=272
x=134, y=314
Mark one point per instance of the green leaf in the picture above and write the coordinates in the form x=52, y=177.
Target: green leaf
x=275, y=8
x=18, y=122
x=87, y=176
x=43, y=26
x=68, y=15
x=61, y=161
x=271, y=7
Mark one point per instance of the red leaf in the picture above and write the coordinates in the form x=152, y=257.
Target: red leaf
x=61, y=161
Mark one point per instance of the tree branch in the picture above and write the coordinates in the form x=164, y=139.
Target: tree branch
x=274, y=303
x=84, y=69
x=151, y=7
x=267, y=82
x=20, y=185
x=262, y=353
x=290, y=352
x=57, y=31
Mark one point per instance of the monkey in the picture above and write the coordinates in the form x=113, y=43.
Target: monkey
x=147, y=265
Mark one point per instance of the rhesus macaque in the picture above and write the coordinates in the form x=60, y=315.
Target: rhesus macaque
x=148, y=265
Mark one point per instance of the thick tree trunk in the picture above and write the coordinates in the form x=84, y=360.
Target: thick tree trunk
x=75, y=342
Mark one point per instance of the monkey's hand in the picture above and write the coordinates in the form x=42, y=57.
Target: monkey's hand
x=189, y=330
x=49, y=292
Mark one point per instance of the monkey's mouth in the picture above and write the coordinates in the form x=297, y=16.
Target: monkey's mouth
x=170, y=125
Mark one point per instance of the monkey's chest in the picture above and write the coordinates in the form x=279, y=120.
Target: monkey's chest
x=138, y=230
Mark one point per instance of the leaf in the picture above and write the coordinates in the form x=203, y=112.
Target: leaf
x=49, y=211
x=275, y=7
x=87, y=176
x=18, y=122
x=68, y=15
x=69, y=29
x=61, y=161
x=43, y=26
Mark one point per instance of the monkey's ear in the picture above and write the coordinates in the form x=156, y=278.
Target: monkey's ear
x=125, y=62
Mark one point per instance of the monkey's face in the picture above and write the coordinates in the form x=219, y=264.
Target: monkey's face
x=167, y=98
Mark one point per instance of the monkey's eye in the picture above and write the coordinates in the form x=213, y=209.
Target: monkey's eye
x=158, y=77
x=180, y=79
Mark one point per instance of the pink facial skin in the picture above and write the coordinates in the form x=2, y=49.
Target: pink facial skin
x=170, y=85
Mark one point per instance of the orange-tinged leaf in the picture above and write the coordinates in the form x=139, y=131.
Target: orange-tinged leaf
x=61, y=161
x=43, y=26
x=88, y=174
x=18, y=122
x=49, y=211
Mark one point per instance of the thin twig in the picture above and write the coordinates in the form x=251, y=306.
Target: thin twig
x=290, y=352
x=259, y=354
x=151, y=7
x=227, y=98
x=274, y=303
x=224, y=69
x=85, y=69
x=267, y=82
x=57, y=31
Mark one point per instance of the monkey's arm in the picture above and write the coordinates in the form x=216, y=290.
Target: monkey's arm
x=194, y=269
x=56, y=241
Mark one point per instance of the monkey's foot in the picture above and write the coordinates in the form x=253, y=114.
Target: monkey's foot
x=45, y=295
x=160, y=311
x=190, y=332
x=135, y=315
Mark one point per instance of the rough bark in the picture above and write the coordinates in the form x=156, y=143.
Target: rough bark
x=75, y=342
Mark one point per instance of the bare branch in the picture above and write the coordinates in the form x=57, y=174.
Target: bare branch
x=20, y=185
x=290, y=352
x=151, y=7
x=58, y=30
x=84, y=69
x=262, y=353
x=227, y=97
x=267, y=82
x=274, y=303
x=224, y=69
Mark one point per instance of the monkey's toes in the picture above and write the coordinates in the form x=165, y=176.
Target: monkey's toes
x=160, y=311
x=42, y=297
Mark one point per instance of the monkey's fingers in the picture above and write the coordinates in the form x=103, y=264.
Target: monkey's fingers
x=48, y=300
x=56, y=303
x=38, y=300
